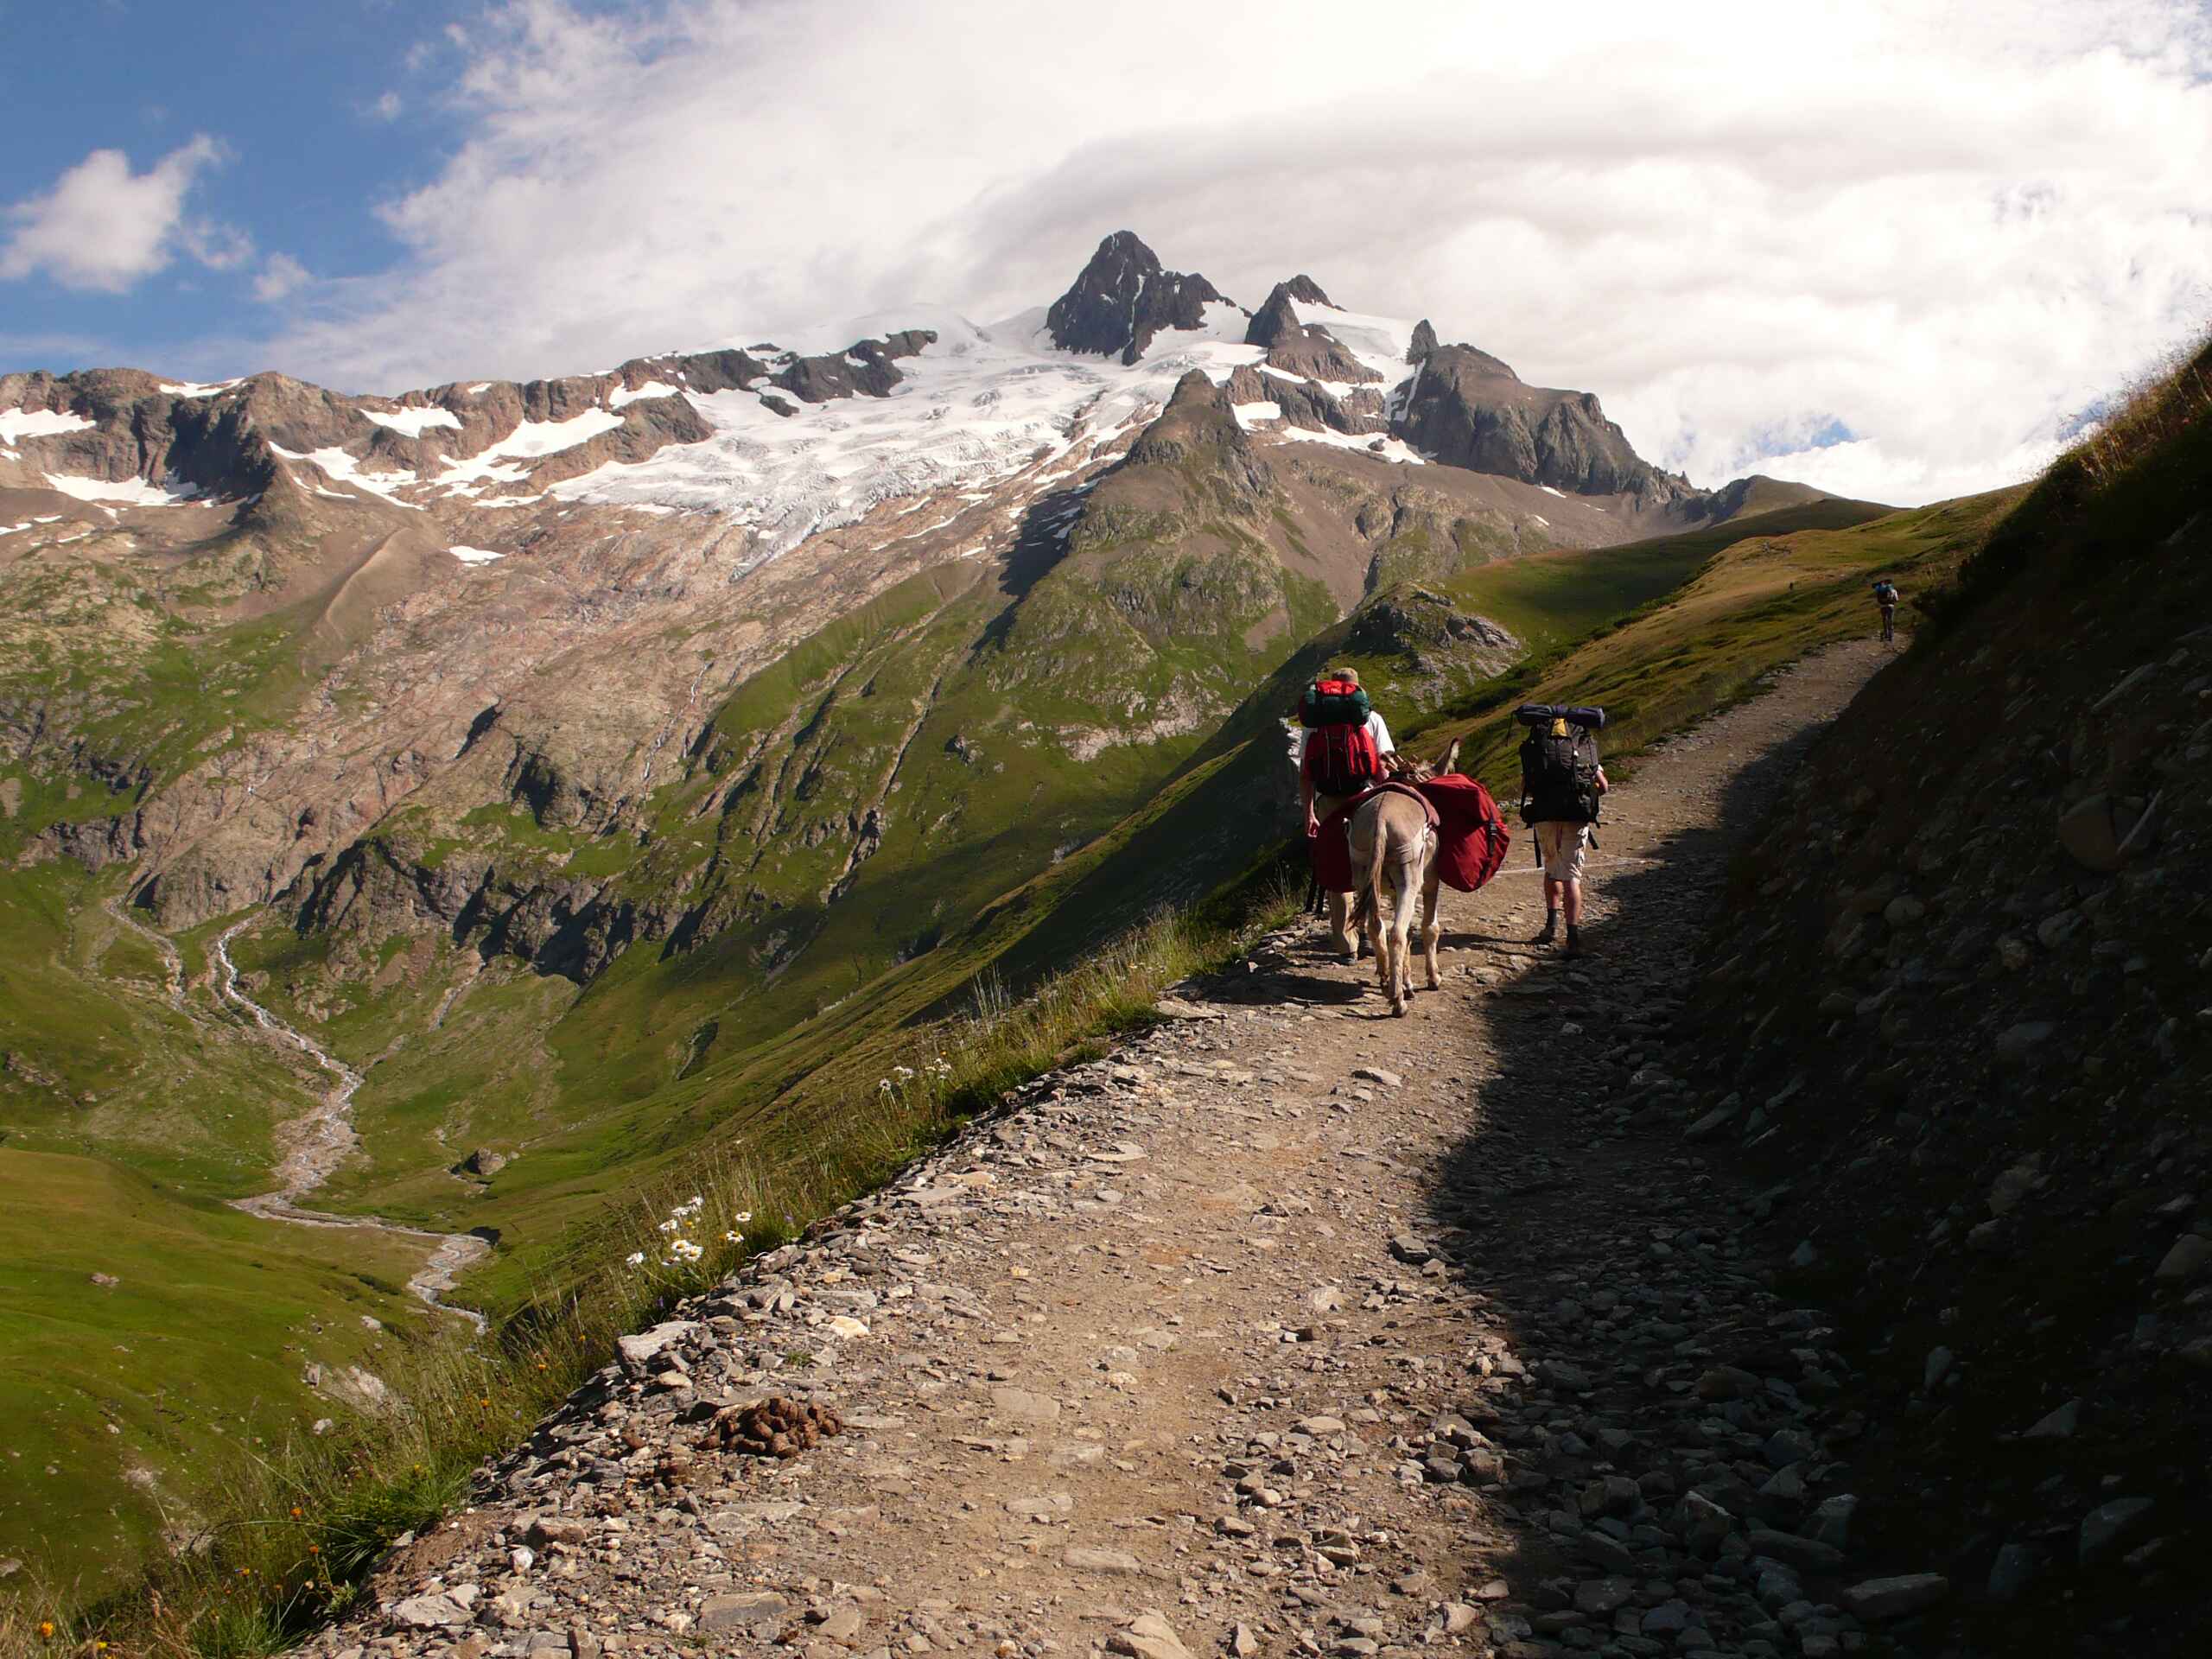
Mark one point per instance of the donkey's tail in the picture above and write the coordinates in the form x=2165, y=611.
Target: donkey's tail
x=1370, y=891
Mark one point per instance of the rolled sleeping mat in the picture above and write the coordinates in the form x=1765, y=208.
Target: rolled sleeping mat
x=1542, y=714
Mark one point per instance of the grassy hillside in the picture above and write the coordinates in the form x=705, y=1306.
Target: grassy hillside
x=141, y=1332
x=1551, y=599
x=1764, y=600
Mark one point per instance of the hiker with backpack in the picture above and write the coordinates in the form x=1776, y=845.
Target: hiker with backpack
x=1562, y=782
x=1886, y=596
x=1340, y=745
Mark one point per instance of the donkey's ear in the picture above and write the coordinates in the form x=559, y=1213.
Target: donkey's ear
x=1450, y=759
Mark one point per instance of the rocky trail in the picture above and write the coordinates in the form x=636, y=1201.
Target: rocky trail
x=318, y=1140
x=1287, y=1328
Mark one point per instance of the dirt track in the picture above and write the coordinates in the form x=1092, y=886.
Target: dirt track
x=1292, y=1327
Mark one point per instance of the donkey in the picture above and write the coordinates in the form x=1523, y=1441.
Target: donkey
x=1392, y=841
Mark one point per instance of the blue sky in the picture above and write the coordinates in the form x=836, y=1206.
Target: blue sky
x=320, y=110
x=1892, y=248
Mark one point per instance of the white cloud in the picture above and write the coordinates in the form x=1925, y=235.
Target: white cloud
x=281, y=276
x=1939, y=229
x=104, y=227
x=388, y=107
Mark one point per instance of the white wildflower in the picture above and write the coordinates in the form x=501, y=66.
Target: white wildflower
x=636, y=1258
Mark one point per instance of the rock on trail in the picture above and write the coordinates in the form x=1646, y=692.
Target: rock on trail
x=1398, y=1334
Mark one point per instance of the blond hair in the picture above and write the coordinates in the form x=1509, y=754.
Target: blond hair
x=1351, y=674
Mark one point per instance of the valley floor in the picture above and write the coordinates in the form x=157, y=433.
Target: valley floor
x=1288, y=1327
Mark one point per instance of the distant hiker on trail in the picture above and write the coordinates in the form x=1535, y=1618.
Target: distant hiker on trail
x=1886, y=596
x=1561, y=783
x=1340, y=744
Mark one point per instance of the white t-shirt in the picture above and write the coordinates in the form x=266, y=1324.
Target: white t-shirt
x=1375, y=729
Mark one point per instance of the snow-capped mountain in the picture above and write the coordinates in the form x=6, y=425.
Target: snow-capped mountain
x=915, y=416
x=543, y=592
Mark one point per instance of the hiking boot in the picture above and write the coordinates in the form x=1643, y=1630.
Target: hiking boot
x=1574, y=945
x=1550, y=935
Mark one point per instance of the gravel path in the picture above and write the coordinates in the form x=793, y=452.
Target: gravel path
x=1288, y=1328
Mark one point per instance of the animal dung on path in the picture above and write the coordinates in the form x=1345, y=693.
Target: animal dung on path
x=774, y=1427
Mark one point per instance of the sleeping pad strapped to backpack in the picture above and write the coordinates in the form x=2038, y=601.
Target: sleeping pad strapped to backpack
x=1559, y=764
x=1340, y=754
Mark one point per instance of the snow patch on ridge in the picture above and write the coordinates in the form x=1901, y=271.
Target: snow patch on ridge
x=623, y=397
x=189, y=389
x=1379, y=343
x=1392, y=449
x=474, y=555
x=342, y=468
x=19, y=423
x=413, y=423
x=129, y=492
x=532, y=440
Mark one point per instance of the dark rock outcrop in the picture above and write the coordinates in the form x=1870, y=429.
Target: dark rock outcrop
x=1307, y=405
x=1423, y=342
x=1302, y=348
x=1467, y=408
x=1124, y=298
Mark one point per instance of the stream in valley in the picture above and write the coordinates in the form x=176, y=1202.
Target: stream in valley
x=317, y=1141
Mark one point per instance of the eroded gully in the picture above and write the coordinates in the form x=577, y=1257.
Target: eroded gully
x=316, y=1142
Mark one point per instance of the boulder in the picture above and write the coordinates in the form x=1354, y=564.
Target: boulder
x=1911, y=1593
x=2095, y=830
x=2108, y=1526
x=2186, y=1259
x=640, y=1346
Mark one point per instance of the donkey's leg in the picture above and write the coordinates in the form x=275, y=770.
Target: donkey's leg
x=1376, y=937
x=1431, y=929
x=1403, y=884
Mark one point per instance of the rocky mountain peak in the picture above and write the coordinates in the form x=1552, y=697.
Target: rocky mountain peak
x=1423, y=342
x=1298, y=348
x=1124, y=297
x=1468, y=409
x=1275, y=322
x=1199, y=427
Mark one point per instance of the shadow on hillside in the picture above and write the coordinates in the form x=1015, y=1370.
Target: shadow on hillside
x=1570, y=1210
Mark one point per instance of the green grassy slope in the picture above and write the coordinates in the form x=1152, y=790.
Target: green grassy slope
x=1763, y=601
x=1551, y=599
x=123, y=1122
x=124, y=1394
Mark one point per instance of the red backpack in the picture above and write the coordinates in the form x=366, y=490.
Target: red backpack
x=1342, y=760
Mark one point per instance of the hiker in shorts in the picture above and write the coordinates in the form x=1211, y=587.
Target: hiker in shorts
x=1886, y=596
x=1560, y=782
x=1332, y=771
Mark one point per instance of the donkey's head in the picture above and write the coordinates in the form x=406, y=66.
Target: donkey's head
x=1402, y=769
